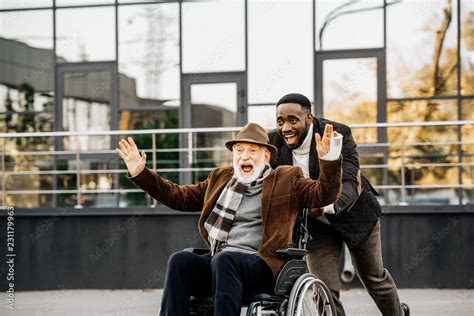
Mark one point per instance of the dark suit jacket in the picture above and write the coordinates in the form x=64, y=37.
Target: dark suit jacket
x=284, y=192
x=356, y=216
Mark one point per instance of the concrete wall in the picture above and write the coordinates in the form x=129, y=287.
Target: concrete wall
x=115, y=249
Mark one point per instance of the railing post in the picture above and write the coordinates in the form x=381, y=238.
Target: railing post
x=153, y=155
x=190, y=149
x=402, y=171
x=78, y=174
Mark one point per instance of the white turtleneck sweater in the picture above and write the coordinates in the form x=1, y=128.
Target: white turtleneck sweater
x=301, y=159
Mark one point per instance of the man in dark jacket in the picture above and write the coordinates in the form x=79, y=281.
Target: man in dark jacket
x=247, y=212
x=353, y=218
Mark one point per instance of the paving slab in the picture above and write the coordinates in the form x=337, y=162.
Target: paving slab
x=432, y=302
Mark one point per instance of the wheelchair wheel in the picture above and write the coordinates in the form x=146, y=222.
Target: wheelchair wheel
x=310, y=297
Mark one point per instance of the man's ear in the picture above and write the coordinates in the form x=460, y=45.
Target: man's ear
x=309, y=119
x=267, y=156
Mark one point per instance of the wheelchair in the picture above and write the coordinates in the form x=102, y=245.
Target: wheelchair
x=296, y=293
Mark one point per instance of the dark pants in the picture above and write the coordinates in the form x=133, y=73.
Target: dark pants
x=227, y=277
x=323, y=260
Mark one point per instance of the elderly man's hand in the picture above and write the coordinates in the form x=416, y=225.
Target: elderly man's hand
x=129, y=153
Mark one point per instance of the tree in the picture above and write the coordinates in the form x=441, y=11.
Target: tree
x=25, y=119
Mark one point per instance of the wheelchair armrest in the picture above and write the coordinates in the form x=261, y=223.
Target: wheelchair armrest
x=292, y=253
x=198, y=251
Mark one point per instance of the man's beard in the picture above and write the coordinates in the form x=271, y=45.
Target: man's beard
x=256, y=170
x=301, y=137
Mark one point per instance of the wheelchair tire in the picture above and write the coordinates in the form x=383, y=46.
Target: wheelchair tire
x=310, y=297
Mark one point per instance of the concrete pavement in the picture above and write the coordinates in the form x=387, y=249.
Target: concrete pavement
x=146, y=302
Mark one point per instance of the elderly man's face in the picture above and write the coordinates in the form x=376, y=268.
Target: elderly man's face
x=249, y=160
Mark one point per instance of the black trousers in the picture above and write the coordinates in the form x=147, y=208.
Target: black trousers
x=227, y=277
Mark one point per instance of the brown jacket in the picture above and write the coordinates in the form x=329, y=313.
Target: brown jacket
x=284, y=192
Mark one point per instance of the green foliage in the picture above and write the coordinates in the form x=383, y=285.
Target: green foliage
x=163, y=141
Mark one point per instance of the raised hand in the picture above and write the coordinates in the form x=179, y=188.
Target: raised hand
x=129, y=153
x=324, y=145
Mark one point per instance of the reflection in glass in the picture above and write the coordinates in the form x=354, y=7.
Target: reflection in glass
x=167, y=146
x=213, y=105
x=213, y=36
x=86, y=107
x=422, y=111
x=160, y=118
x=26, y=42
x=26, y=103
x=422, y=51
x=24, y=110
x=350, y=94
x=467, y=135
x=349, y=24
x=132, y=1
x=467, y=47
x=149, y=51
x=91, y=182
x=33, y=28
x=25, y=4
x=428, y=154
x=265, y=115
x=91, y=41
x=63, y=3
x=280, y=57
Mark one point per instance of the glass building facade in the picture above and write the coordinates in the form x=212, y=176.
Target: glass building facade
x=90, y=65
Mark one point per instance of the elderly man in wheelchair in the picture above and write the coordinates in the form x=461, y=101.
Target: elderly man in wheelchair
x=248, y=216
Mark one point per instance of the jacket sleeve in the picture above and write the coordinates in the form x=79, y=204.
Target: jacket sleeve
x=350, y=167
x=188, y=198
x=318, y=193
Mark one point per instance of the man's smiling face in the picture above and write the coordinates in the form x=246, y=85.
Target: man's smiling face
x=292, y=123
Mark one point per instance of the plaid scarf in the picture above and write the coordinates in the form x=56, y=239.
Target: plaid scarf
x=220, y=219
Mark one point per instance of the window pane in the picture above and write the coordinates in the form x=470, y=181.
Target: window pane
x=350, y=94
x=91, y=41
x=94, y=177
x=280, y=50
x=265, y=115
x=349, y=24
x=25, y=4
x=24, y=110
x=26, y=42
x=427, y=155
x=33, y=28
x=27, y=62
x=149, y=54
x=213, y=36
x=467, y=47
x=422, y=111
x=26, y=102
x=63, y=3
x=421, y=50
x=468, y=152
x=214, y=105
x=167, y=145
x=86, y=107
x=133, y=1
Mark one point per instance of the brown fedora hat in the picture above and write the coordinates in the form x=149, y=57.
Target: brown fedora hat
x=254, y=134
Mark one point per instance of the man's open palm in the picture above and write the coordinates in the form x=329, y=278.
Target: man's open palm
x=324, y=145
x=129, y=153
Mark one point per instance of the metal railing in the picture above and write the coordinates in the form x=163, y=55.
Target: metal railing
x=35, y=164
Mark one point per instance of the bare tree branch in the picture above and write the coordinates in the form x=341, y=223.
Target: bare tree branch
x=440, y=37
